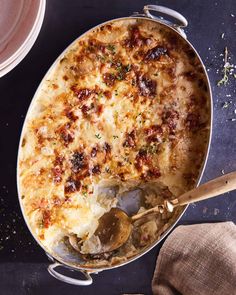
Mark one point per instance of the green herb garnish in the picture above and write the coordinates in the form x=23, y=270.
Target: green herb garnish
x=225, y=105
x=127, y=68
x=112, y=48
x=115, y=136
x=98, y=136
x=226, y=69
x=151, y=149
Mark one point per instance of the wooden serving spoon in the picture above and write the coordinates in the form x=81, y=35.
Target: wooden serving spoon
x=115, y=226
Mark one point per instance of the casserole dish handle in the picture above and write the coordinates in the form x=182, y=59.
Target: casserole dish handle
x=68, y=280
x=181, y=20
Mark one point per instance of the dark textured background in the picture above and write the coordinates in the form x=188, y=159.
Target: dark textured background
x=22, y=262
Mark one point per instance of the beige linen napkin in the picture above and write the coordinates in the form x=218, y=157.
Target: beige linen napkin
x=197, y=260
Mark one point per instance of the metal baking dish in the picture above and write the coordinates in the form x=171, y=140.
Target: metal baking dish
x=61, y=256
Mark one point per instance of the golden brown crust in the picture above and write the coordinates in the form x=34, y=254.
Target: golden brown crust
x=128, y=100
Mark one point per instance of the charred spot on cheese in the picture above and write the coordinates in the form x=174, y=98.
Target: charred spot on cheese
x=170, y=117
x=150, y=174
x=155, y=53
x=82, y=94
x=107, y=148
x=142, y=158
x=109, y=79
x=130, y=139
x=78, y=161
x=85, y=110
x=108, y=94
x=66, y=134
x=57, y=170
x=72, y=185
x=146, y=86
x=135, y=38
x=57, y=174
x=70, y=114
x=99, y=109
x=96, y=169
x=154, y=133
x=94, y=151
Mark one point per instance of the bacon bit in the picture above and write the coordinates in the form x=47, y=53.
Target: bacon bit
x=146, y=86
x=96, y=169
x=57, y=174
x=46, y=221
x=40, y=138
x=136, y=39
x=82, y=94
x=155, y=53
x=78, y=162
x=65, y=78
x=120, y=164
x=108, y=94
x=59, y=160
x=153, y=130
x=193, y=121
x=100, y=108
x=70, y=115
x=66, y=135
x=170, y=117
x=141, y=158
x=57, y=170
x=152, y=173
x=72, y=185
x=122, y=176
x=130, y=139
x=85, y=109
x=94, y=152
x=109, y=79
x=95, y=45
x=153, y=133
x=107, y=148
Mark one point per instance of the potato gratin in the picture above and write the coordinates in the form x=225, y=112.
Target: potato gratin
x=128, y=101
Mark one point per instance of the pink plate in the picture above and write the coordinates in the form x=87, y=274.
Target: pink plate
x=18, y=19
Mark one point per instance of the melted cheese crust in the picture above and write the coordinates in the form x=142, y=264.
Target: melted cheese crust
x=127, y=101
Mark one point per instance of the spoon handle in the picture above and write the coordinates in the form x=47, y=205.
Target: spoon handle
x=210, y=189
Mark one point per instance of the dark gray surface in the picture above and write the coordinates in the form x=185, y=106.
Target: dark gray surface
x=22, y=263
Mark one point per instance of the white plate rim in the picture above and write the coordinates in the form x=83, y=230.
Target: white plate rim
x=27, y=39
x=27, y=47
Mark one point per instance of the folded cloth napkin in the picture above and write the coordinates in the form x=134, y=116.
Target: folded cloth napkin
x=197, y=260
